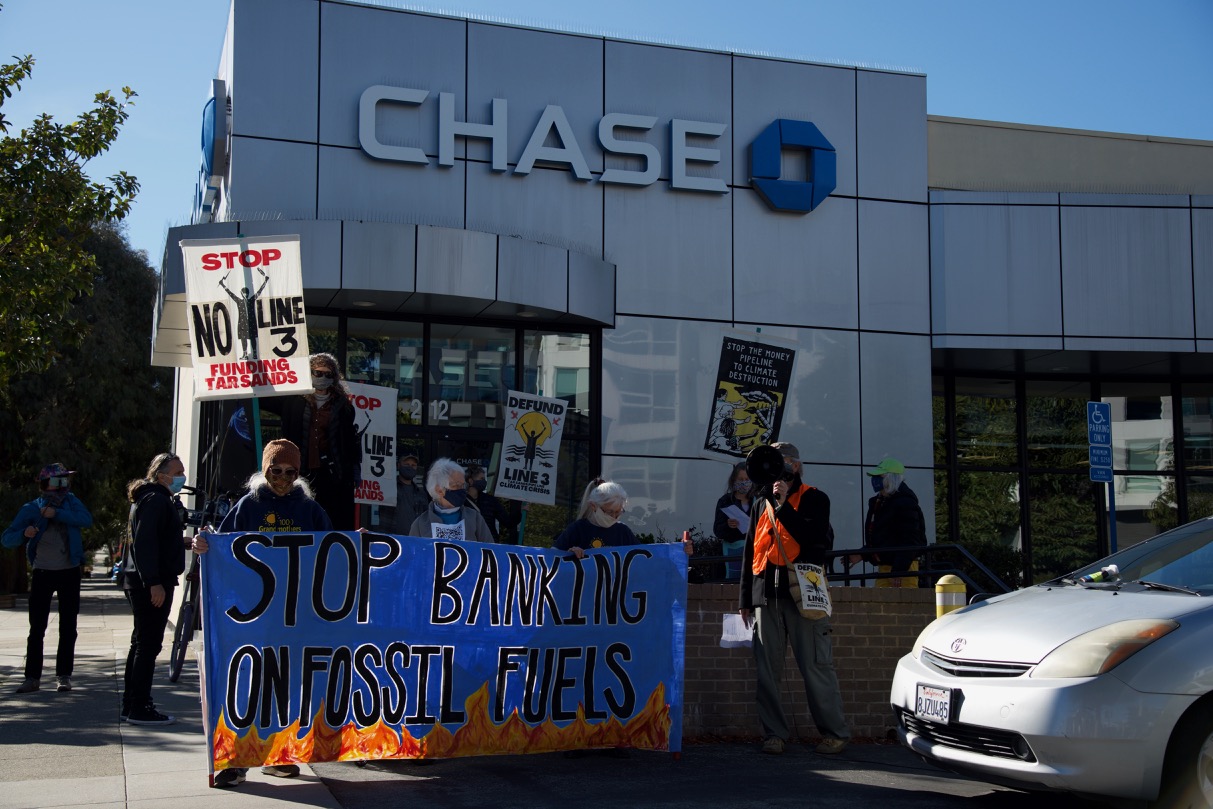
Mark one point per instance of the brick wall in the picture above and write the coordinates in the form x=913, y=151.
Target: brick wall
x=873, y=628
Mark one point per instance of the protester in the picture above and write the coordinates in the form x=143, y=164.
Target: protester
x=154, y=559
x=792, y=525
x=321, y=425
x=727, y=528
x=51, y=524
x=495, y=514
x=449, y=516
x=411, y=498
x=597, y=524
x=894, y=519
x=279, y=500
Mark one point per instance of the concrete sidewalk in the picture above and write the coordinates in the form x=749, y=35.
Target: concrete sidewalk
x=69, y=749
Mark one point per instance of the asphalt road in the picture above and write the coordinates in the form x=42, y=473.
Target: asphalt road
x=728, y=774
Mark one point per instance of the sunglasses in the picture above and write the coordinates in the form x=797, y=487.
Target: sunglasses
x=324, y=374
x=279, y=471
x=57, y=483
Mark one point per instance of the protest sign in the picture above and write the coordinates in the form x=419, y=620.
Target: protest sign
x=375, y=423
x=350, y=646
x=248, y=329
x=530, y=448
x=751, y=393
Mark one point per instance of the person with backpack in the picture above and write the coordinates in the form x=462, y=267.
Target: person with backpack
x=790, y=523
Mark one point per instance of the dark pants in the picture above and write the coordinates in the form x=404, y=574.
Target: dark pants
x=146, y=640
x=335, y=496
x=44, y=585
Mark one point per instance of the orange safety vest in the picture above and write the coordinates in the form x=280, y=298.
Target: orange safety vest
x=765, y=547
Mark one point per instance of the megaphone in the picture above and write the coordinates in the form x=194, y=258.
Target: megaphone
x=764, y=465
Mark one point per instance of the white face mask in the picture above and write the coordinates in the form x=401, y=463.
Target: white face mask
x=601, y=518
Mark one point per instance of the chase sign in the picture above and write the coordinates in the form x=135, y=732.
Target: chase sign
x=766, y=165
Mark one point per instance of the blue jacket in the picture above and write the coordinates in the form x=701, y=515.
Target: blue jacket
x=585, y=535
x=71, y=513
x=269, y=513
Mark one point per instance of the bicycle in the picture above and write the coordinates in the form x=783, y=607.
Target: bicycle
x=189, y=616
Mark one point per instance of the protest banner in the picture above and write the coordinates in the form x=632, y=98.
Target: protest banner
x=750, y=395
x=351, y=646
x=375, y=423
x=530, y=448
x=248, y=327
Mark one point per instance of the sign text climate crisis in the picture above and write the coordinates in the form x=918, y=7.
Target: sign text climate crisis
x=395, y=681
x=219, y=324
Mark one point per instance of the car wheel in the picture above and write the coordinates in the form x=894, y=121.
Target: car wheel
x=1187, y=777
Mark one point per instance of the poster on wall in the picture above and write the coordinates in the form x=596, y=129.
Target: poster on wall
x=375, y=423
x=352, y=646
x=530, y=448
x=749, y=396
x=248, y=327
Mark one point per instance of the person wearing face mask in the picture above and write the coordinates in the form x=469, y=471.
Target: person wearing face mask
x=154, y=558
x=411, y=498
x=495, y=514
x=894, y=519
x=51, y=524
x=728, y=529
x=321, y=425
x=449, y=516
x=279, y=500
x=791, y=525
x=597, y=524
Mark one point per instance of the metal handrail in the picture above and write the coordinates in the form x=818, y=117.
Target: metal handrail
x=846, y=577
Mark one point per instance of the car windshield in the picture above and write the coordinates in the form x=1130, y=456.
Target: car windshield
x=1181, y=557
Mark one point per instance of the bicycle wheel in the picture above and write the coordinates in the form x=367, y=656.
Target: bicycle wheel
x=183, y=633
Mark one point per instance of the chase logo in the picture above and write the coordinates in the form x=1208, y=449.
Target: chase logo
x=766, y=164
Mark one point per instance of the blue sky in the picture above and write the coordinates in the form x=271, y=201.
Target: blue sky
x=1111, y=65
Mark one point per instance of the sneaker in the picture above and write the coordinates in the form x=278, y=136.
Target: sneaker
x=281, y=770
x=830, y=747
x=126, y=711
x=63, y=683
x=30, y=685
x=773, y=745
x=148, y=715
x=231, y=777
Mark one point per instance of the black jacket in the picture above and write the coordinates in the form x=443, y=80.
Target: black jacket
x=345, y=452
x=894, y=521
x=157, y=551
x=809, y=525
x=720, y=525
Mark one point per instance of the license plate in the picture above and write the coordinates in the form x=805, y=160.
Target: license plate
x=933, y=703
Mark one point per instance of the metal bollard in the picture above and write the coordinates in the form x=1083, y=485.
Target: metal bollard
x=949, y=594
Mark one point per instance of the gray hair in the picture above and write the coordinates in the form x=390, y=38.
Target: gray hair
x=892, y=482
x=602, y=493
x=440, y=474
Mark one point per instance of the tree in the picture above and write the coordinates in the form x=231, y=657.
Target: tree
x=98, y=407
x=48, y=206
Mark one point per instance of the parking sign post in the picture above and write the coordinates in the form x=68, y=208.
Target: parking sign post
x=1099, y=438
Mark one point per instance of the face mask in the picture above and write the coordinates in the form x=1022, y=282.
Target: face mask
x=407, y=473
x=177, y=484
x=601, y=518
x=321, y=382
x=789, y=471
x=456, y=497
x=877, y=483
x=742, y=486
x=480, y=485
x=54, y=496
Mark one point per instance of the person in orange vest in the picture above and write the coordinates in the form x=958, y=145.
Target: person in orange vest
x=791, y=523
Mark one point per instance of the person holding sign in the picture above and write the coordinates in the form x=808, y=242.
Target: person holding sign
x=279, y=500
x=321, y=425
x=792, y=524
x=732, y=518
x=597, y=524
x=449, y=516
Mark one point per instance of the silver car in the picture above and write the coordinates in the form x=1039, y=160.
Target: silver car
x=1102, y=688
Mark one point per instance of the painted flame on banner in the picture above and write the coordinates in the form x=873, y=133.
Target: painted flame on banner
x=480, y=736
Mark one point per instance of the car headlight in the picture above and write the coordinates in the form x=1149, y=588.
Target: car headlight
x=1102, y=649
x=931, y=627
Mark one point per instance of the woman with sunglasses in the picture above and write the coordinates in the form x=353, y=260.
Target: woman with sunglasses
x=279, y=500
x=321, y=425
